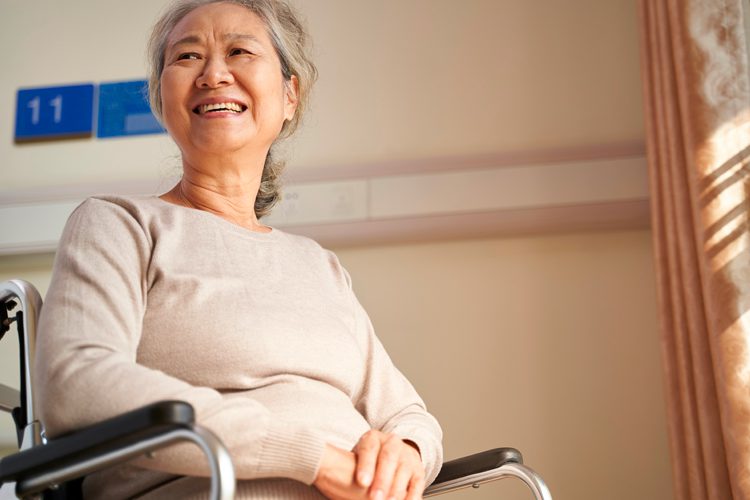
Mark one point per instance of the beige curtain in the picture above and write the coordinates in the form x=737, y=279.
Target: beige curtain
x=697, y=107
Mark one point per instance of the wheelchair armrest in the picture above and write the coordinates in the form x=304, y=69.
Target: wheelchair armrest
x=478, y=462
x=110, y=434
x=484, y=467
x=115, y=441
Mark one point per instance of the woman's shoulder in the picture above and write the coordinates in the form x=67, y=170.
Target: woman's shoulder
x=117, y=203
x=108, y=215
x=305, y=244
x=104, y=204
x=148, y=211
x=315, y=254
x=299, y=241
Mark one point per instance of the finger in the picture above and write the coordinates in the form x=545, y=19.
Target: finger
x=367, y=451
x=335, y=477
x=400, y=482
x=416, y=487
x=388, y=461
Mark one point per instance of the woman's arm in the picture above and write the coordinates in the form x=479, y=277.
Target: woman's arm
x=86, y=369
x=393, y=408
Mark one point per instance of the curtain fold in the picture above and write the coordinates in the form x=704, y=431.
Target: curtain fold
x=696, y=87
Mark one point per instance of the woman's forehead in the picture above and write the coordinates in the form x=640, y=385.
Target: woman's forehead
x=222, y=20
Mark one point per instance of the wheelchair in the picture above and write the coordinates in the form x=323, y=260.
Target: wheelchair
x=54, y=468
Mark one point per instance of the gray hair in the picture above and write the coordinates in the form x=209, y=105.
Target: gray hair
x=291, y=42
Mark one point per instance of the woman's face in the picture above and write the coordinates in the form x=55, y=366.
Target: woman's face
x=222, y=90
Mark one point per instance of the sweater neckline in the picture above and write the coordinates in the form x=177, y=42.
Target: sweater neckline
x=273, y=234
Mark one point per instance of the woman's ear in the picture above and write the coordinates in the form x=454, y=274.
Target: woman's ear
x=291, y=97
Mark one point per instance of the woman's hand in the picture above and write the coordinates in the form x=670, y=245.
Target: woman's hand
x=388, y=467
x=336, y=475
x=381, y=467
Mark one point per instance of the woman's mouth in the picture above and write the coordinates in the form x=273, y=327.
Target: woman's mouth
x=232, y=107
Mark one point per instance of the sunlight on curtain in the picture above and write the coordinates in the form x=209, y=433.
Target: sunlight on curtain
x=696, y=81
x=726, y=216
x=723, y=88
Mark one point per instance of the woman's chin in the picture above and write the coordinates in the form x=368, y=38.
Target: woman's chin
x=222, y=144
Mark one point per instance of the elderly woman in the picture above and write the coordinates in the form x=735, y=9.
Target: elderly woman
x=190, y=296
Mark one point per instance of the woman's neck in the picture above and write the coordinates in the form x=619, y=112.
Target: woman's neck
x=227, y=192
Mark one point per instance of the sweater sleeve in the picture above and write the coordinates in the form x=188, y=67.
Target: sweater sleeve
x=390, y=403
x=86, y=370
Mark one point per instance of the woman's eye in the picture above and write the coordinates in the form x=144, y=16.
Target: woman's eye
x=187, y=56
x=237, y=52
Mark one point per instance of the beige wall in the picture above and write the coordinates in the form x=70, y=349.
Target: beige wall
x=399, y=80
x=547, y=343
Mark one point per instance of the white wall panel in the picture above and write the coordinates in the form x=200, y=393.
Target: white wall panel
x=403, y=201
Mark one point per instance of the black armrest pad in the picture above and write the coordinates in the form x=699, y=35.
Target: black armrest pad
x=124, y=429
x=479, y=462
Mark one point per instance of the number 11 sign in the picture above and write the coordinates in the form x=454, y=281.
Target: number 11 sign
x=54, y=112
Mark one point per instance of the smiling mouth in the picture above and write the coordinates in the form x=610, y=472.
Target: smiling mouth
x=232, y=107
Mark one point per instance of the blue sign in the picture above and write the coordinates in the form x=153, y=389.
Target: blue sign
x=54, y=112
x=124, y=110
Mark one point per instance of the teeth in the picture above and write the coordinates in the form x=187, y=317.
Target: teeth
x=229, y=106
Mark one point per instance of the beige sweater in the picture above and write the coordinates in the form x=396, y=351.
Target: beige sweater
x=260, y=332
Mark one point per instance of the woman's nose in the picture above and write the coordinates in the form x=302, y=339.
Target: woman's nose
x=216, y=73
